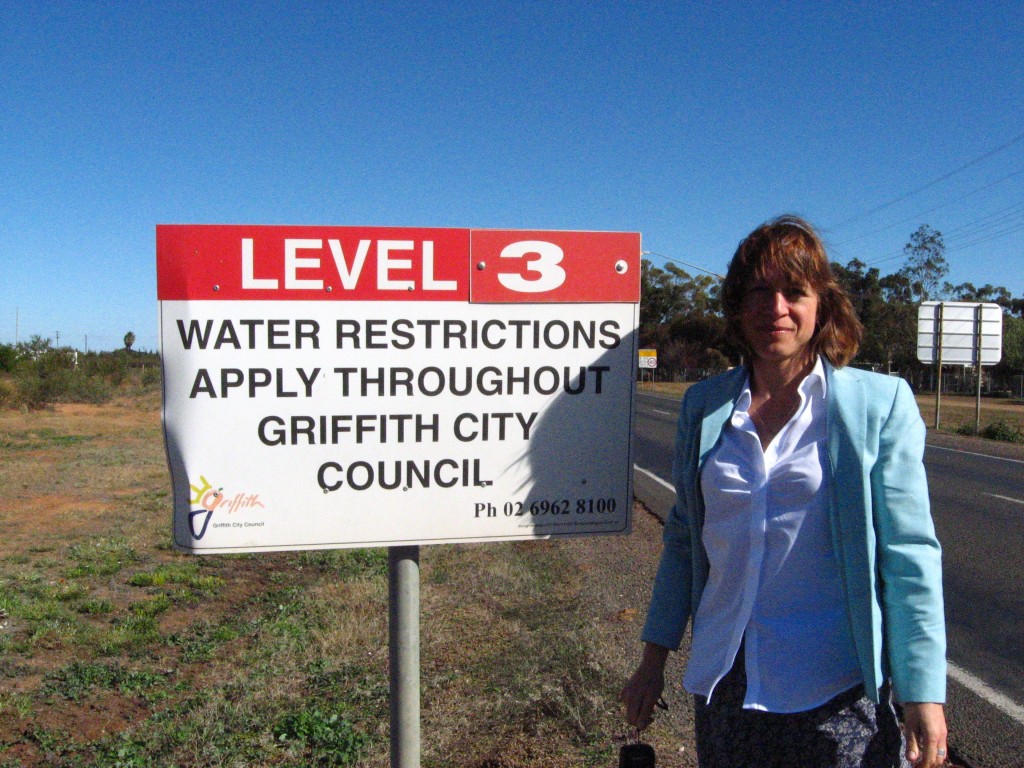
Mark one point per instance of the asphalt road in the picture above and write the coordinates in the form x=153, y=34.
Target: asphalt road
x=977, y=495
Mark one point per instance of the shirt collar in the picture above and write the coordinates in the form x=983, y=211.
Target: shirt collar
x=814, y=384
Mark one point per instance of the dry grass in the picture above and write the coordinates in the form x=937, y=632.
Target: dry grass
x=117, y=651
x=955, y=411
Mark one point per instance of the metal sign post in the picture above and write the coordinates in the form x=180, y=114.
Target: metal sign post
x=404, y=654
x=647, y=362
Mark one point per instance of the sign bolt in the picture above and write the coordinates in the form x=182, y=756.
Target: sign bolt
x=481, y=266
x=621, y=267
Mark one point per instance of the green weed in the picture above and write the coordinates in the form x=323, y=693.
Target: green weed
x=50, y=741
x=131, y=634
x=95, y=607
x=19, y=705
x=346, y=563
x=79, y=678
x=362, y=562
x=363, y=688
x=152, y=606
x=104, y=557
x=329, y=739
x=184, y=573
x=202, y=640
x=40, y=439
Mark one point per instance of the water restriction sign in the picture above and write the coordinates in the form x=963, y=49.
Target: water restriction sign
x=334, y=387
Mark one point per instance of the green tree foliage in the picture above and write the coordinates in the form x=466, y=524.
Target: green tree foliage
x=1012, y=362
x=680, y=315
x=926, y=263
x=987, y=293
x=35, y=374
x=34, y=348
x=8, y=358
x=129, y=340
x=884, y=306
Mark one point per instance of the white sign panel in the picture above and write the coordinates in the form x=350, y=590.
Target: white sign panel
x=337, y=387
x=648, y=358
x=959, y=332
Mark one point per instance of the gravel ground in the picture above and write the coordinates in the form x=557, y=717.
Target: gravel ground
x=626, y=566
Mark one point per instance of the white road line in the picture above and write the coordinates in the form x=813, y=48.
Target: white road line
x=1005, y=498
x=660, y=397
x=1003, y=703
x=654, y=477
x=972, y=453
x=979, y=687
x=962, y=676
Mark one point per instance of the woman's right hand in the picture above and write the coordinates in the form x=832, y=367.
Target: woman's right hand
x=643, y=689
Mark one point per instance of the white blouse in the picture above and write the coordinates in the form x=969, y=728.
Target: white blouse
x=774, y=581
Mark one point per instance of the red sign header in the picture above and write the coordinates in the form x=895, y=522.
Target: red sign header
x=237, y=262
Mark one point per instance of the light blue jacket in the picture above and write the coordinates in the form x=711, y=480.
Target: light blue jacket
x=880, y=519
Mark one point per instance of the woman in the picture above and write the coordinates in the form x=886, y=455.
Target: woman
x=801, y=542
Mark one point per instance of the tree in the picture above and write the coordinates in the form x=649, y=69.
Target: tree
x=679, y=316
x=1013, y=343
x=129, y=339
x=865, y=290
x=670, y=292
x=926, y=263
x=995, y=294
x=8, y=357
x=34, y=348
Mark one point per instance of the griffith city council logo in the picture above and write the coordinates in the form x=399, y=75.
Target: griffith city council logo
x=207, y=499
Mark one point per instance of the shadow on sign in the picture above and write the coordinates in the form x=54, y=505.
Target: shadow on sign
x=580, y=457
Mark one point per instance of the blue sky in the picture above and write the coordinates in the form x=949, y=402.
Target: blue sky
x=690, y=123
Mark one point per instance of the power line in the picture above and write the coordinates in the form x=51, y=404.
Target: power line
x=1010, y=221
x=931, y=183
x=678, y=261
x=918, y=216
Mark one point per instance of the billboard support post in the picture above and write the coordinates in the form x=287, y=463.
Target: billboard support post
x=938, y=365
x=977, y=368
x=404, y=654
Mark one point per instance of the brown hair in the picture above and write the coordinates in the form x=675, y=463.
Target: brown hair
x=790, y=247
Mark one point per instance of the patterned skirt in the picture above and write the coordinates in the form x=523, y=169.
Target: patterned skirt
x=847, y=731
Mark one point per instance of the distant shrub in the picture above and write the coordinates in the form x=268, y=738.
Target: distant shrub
x=62, y=386
x=10, y=394
x=151, y=375
x=49, y=376
x=1001, y=429
x=8, y=357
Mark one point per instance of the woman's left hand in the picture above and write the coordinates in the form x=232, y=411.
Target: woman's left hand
x=925, y=726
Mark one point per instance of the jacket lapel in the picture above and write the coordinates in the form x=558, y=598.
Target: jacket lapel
x=717, y=410
x=849, y=509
